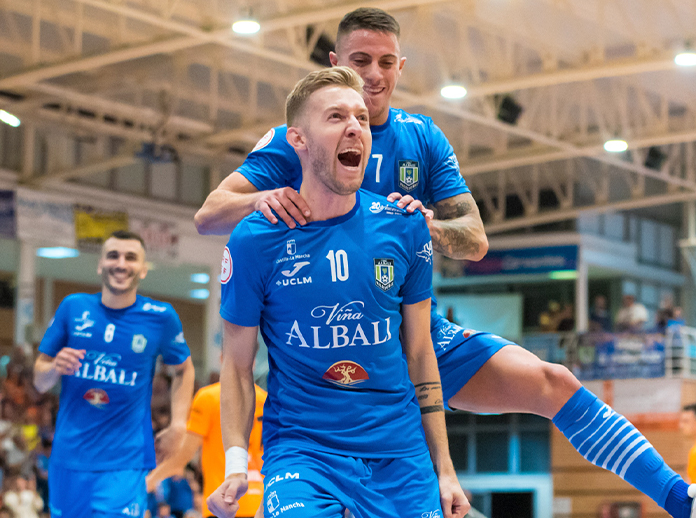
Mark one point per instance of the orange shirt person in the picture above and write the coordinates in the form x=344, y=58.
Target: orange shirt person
x=687, y=425
x=203, y=430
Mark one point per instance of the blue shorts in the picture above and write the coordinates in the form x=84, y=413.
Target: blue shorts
x=96, y=494
x=461, y=353
x=298, y=484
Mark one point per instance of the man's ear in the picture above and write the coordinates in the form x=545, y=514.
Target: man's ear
x=333, y=58
x=296, y=138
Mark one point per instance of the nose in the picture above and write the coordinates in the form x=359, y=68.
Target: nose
x=371, y=74
x=353, y=128
x=121, y=261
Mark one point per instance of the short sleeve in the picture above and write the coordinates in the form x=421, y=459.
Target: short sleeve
x=201, y=408
x=418, y=284
x=243, y=286
x=174, y=349
x=445, y=178
x=56, y=336
x=273, y=163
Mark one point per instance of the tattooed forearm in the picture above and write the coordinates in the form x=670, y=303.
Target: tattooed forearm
x=430, y=397
x=432, y=408
x=457, y=230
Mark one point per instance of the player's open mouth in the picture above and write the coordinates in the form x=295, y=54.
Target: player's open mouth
x=350, y=158
x=373, y=90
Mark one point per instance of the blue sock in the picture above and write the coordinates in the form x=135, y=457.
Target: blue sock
x=610, y=441
x=678, y=501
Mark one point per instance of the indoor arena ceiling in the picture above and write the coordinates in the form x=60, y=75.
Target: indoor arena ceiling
x=582, y=71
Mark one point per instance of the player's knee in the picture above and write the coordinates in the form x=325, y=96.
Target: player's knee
x=558, y=382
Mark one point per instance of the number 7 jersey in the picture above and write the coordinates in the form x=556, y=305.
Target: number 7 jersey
x=327, y=297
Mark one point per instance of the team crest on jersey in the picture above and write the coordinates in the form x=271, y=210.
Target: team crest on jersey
x=138, y=344
x=384, y=273
x=272, y=502
x=345, y=374
x=265, y=140
x=291, y=247
x=408, y=174
x=96, y=397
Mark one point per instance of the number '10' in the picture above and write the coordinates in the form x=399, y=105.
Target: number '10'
x=339, y=265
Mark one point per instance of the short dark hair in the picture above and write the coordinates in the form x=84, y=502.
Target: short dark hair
x=127, y=234
x=368, y=18
x=690, y=408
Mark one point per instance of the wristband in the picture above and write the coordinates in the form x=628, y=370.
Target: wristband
x=236, y=461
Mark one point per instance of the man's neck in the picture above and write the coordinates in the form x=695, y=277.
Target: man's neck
x=114, y=301
x=325, y=204
x=379, y=119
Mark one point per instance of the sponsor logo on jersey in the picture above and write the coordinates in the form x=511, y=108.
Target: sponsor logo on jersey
x=427, y=253
x=432, y=514
x=96, y=397
x=343, y=327
x=345, y=374
x=226, y=271
x=291, y=247
x=179, y=339
x=445, y=335
x=408, y=174
x=139, y=343
x=452, y=161
x=131, y=510
x=295, y=268
x=280, y=478
x=384, y=273
x=272, y=502
x=265, y=140
x=404, y=117
x=377, y=207
x=152, y=307
x=100, y=366
x=469, y=332
x=83, y=323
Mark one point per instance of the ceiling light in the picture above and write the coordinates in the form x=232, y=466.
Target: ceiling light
x=686, y=58
x=201, y=294
x=453, y=91
x=615, y=146
x=200, y=278
x=10, y=119
x=246, y=23
x=57, y=252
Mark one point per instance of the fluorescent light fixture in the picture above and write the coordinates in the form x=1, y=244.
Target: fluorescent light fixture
x=200, y=278
x=246, y=26
x=615, y=146
x=10, y=119
x=453, y=91
x=686, y=58
x=563, y=275
x=200, y=293
x=57, y=252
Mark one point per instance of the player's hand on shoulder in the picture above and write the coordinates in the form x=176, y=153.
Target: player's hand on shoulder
x=284, y=203
x=224, y=502
x=68, y=360
x=452, y=498
x=411, y=204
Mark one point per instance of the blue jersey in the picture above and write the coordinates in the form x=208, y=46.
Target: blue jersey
x=327, y=296
x=410, y=155
x=104, y=420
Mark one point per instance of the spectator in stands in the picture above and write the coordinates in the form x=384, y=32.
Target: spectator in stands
x=41, y=469
x=566, y=319
x=599, y=315
x=687, y=426
x=632, y=316
x=178, y=495
x=548, y=320
x=164, y=511
x=23, y=499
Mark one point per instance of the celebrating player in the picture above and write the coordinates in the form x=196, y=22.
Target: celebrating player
x=342, y=428
x=480, y=372
x=204, y=433
x=103, y=347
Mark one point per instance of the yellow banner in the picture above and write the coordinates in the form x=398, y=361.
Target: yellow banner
x=93, y=226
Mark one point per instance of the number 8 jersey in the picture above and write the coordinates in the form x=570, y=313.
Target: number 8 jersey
x=104, y=420
x=327, y=297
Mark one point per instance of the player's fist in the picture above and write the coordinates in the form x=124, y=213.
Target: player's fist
x=224, y=502
x=452, y=498
x=68, y=360
x=286, y=203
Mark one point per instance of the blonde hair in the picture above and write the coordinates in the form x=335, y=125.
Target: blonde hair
x=334, y=76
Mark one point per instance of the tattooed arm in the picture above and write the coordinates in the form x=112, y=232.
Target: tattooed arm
x=422, y=369
x=457, y=230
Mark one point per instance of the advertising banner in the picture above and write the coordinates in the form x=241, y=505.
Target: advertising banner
x=161, y=238
x=93, y=226
x=7, y=214
x=44, y=219
x=525, y=261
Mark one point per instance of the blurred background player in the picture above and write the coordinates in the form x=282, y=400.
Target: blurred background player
x=687, y=426
x=103, y=348
x=204, y=433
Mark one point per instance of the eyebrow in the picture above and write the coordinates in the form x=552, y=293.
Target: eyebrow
x=360, y=54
